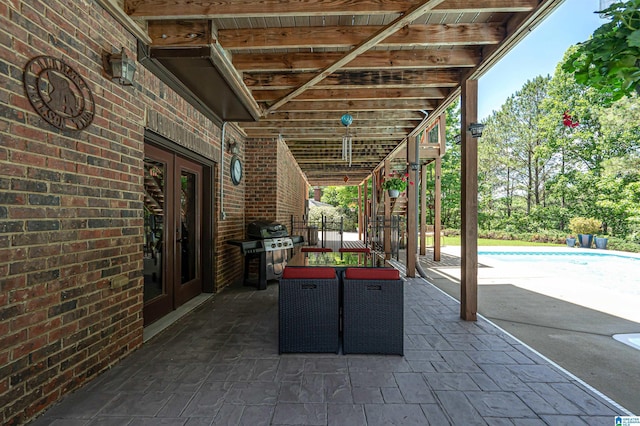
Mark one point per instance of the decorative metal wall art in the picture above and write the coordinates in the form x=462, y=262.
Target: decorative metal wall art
x=58, y=93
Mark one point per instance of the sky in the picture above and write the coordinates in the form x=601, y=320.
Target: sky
x=538, y=53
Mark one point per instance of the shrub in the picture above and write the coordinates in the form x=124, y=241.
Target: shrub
x=584, y=225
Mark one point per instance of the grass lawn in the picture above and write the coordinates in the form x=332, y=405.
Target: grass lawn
x=455, y=241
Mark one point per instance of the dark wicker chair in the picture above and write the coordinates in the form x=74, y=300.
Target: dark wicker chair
x=373, y=311
x=309, y=311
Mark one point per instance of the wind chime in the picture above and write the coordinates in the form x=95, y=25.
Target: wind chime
x=347, y=140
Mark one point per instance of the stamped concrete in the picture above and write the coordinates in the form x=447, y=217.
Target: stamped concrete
x=219, y=365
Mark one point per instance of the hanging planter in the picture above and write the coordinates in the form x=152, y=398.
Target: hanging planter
x=394, y=184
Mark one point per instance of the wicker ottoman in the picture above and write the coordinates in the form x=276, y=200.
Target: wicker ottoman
x=373, y=311
x=309, y=311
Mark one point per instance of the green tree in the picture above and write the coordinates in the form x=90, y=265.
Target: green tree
x=450, y=177
x=610, y=60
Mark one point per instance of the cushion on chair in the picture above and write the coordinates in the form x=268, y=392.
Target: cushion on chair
x=371, y=274
x=316, y=249
x=355, y=250
x=293, y=273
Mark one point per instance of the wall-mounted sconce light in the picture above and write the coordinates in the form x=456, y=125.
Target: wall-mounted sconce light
x=233, y=147
x=414, y=166
x=476, y=129
x=120, y=67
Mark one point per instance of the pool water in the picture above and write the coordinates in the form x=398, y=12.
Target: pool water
x=559, y=256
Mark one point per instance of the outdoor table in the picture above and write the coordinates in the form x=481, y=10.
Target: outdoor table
x=337, y=260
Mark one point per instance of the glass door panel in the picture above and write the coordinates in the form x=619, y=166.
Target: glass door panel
x=154, y=214
x=188, y=229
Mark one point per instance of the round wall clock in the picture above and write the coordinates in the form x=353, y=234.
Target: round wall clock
x=236, y=170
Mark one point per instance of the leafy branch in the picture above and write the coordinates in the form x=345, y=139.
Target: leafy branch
x=610, y=60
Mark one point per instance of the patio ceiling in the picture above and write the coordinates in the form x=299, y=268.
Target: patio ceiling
x=292, y=68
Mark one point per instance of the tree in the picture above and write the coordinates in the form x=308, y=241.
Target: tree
x=514, y=161
x=610, y=60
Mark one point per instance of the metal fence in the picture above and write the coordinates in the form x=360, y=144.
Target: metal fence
x=397, y=234
x=330, y=233
x=320, y=233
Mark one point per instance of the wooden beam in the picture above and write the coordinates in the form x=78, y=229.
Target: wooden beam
x=469, y=204
x=180, y=33
x=189, y=9
x=328, y=136
x=356, y=80
x=355, y=94
x=377, y=59
x=362, y=47
x=369, y=105
x=358, y=116
x=332, y=124
x=363, y=36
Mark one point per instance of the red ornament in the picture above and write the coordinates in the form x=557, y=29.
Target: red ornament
x=568, y=121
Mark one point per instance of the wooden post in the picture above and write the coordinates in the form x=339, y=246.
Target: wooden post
x=437, y=194
x=469, y=203
x=412, y=206
x=423, y=210
x=386, y=233
x=360, y=212
x=367, y=218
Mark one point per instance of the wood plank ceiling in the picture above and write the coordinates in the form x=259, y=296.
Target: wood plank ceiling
x=301, y=64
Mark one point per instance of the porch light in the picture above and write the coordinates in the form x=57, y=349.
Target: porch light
x=120, y=67
x=476, y=129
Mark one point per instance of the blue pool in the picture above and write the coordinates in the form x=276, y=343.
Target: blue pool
x=576, y=257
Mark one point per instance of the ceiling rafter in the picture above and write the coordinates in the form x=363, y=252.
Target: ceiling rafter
x=188, y=9
x=319, y=59
x=365, y=45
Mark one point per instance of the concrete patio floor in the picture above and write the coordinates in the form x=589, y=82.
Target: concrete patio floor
x=219, y=365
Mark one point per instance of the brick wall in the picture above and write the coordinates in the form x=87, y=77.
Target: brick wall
x=276, y=188
x=71, y=207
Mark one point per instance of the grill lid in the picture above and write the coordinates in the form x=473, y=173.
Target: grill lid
x=261, y=229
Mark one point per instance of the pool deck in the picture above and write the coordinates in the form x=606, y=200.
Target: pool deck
x=568, y=313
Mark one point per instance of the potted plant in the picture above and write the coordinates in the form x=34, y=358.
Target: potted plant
x=585, y=227
x=571, y=241
x=394, y=184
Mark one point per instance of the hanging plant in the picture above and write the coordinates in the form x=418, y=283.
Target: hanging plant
x=396, y=181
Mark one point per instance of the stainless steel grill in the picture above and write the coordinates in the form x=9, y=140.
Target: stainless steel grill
x=269, y=243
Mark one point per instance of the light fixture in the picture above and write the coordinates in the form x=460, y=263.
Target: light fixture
x=347, y=140
x=476, y=129
x=233, y=147
x=120, y=67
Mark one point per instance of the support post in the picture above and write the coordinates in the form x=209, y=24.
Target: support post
x=423, y=210
x=469, y=203
x=437, y=194
x=386, y=226
x=360, y=212
x=412, y=206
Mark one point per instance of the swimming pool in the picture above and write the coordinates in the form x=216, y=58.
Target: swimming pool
x=583, y=257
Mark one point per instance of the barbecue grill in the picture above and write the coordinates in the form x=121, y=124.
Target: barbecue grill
x=269, y=242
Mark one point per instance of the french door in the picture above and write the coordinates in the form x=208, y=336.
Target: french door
x=172, y=265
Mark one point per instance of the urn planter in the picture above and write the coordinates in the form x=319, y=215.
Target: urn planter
x=585, y=240
x=571, y=242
